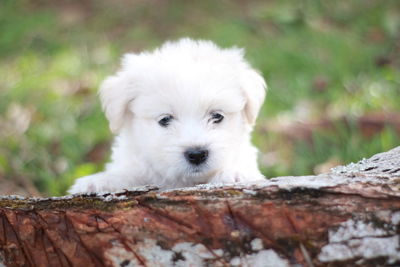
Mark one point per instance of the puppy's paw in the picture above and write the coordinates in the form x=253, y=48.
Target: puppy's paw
x=99, y=182
x=229, y=177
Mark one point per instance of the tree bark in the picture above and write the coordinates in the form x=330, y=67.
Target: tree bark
x=348, y=217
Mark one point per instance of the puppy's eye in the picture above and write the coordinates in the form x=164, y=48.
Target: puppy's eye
x=165, y=120
x=216, y=117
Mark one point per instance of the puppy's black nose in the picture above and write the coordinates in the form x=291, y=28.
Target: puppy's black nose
x=196, y=155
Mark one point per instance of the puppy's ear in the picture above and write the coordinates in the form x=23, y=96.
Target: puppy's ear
x=115, y=95
x=254, y=88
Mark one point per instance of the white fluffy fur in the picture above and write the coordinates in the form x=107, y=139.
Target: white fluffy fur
x=187, y=79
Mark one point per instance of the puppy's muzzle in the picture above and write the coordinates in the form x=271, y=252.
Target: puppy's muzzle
x=196, y=155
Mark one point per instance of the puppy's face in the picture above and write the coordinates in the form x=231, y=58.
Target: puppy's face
x=185, y=119
x=188, y=127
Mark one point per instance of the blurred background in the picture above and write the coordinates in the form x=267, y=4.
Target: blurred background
x=333, y=70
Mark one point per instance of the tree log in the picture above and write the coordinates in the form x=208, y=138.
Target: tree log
x=347, y=217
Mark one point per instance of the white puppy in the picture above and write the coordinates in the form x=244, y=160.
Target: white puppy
x=182, y=116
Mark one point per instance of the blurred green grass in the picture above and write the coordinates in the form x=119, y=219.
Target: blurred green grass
x=323, y=60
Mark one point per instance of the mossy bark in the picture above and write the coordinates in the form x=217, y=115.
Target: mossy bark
x=346, y=217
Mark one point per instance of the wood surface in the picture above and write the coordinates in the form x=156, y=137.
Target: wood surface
x=347, y=217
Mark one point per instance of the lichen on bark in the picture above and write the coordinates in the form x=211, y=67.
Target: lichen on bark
x=348, y=216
